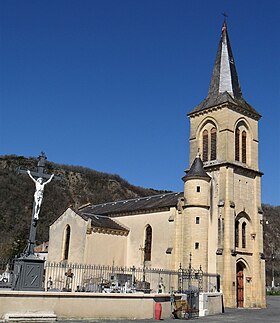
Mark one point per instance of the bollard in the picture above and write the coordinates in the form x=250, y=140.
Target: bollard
x=158, y=309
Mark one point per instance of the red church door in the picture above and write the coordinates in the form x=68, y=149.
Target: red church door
x=240, y=287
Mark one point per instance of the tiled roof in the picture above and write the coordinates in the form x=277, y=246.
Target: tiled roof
x=141, y=204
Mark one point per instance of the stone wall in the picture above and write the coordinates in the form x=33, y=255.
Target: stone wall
x=83, y=305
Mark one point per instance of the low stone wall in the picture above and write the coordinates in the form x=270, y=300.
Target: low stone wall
x=73, y=305
x=83, y=305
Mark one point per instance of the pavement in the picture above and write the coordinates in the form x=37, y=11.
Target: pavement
x=271, y=314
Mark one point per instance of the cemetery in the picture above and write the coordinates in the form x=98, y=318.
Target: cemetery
x=32, y=288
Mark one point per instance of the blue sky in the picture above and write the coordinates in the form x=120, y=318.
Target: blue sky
x=108, y=84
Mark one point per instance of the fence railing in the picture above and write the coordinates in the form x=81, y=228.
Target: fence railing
x=191, y=279
x=65, y=276
x=108, y=279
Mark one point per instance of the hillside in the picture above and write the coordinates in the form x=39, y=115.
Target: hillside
x=78, y=186
x=271, y=242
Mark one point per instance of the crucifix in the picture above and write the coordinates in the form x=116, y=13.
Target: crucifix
x=38, y=178
x=225, y=15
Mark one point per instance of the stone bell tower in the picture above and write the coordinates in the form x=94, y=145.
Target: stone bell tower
x=224, y=128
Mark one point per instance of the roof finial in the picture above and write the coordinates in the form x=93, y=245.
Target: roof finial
x=225, y=22
x=225, y=15
x=198, y=153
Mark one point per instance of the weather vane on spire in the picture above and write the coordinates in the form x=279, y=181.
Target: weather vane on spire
x=225, y=16
x=225, y=21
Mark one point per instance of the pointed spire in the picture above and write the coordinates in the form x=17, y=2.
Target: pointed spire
x=224, y=85
x=224, y=77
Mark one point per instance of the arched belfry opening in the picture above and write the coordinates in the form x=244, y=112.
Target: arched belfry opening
x=208, y=141
x=240, y=279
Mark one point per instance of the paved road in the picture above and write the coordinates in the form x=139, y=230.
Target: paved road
x=271, y=314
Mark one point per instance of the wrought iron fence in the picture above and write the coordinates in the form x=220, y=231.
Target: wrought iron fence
x=191, y=279
x=112, y=279
x=108, y=279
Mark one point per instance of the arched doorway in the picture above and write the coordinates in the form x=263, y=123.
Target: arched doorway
x=240, y=284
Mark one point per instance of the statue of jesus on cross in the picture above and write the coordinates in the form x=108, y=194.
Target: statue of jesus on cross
x=40, y=175
x=38, y=195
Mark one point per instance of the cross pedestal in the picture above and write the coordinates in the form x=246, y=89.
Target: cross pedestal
x=28, y=272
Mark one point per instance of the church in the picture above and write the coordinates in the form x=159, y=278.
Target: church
x=217, y=218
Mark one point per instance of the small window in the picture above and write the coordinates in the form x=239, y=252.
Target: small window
x=196, y=245
x=198, y=189
x=197, y=220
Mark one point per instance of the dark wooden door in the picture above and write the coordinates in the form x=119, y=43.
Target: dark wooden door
x=240, y=288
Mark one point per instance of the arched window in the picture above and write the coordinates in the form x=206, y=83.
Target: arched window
x=236, y=234
x=205, y=145
x=66, y=242
x=244, y=136
x=237, y=146
x=148, y=244
x=244, y=235
x=213, y=144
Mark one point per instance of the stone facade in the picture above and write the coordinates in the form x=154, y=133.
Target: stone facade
x=218, y=217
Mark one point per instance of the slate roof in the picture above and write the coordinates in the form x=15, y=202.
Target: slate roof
x=133, y=206
x=224, y=85
x=101, y=221
x=196, y=171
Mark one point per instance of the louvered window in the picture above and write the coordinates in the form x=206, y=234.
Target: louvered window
x=237, y=234
x=205, y=145
x=244, y=139
x=213, y=144
x=243, y=235
x=237, y=135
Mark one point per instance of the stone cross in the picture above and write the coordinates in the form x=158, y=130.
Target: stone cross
x=38, y=198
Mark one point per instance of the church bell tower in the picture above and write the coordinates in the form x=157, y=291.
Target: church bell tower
x=224, y=129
